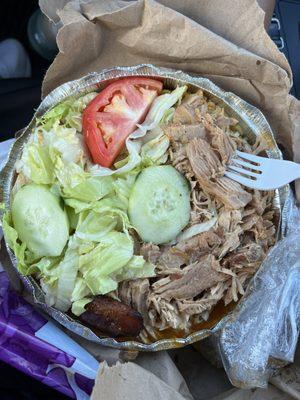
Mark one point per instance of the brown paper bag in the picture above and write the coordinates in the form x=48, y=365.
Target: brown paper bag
x=222, y=40
x=152, y=376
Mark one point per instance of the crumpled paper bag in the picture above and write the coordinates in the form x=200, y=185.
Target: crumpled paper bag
x=152, y=376
x=160, y=380
x=224, y=41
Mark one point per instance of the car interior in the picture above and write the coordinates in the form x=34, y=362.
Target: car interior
x=20, y=95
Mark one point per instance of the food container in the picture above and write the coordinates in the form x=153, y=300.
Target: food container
x=251, y=121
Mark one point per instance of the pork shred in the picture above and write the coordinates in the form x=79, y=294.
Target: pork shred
x=193, y=275
x=210, y=174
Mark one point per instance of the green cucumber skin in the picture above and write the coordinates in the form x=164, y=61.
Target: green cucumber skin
x=40, y=221
x=159, y=204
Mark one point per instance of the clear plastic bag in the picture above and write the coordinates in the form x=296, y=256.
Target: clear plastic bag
x=262, y=333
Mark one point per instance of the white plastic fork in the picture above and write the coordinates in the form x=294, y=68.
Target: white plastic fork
x=260, y=172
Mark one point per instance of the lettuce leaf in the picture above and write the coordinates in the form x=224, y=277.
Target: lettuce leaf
x=113, y=206
x=74, y=116
x=67, y=275
x=80, y=290
x=122, y=187
x=110, y=206
x=36, y=164
x=168, y=116
x=109, y=256
x=77, y=184
x=196, y=229
x=136, y=268
x=58, y=275
x=55, y=147
x=68, y=112
x=78, y=206
x=92, y=226
x=90, y=190
x=154, y=151
x=46, y=267
x=11, y=237
x=64, y=143
x=159, y=107
x=78, y=307
x=56, y=113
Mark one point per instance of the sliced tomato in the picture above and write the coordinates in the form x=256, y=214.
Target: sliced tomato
x=112, y=116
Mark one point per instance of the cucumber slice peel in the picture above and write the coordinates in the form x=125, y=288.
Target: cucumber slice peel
x=40, y=220
x=159, y=204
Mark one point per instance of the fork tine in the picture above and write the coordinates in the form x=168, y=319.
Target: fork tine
x=238, y=178
x=245, y=164
x=250, y=157
x=242, y=171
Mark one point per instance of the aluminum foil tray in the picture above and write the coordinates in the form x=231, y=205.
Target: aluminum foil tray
x=252, y=122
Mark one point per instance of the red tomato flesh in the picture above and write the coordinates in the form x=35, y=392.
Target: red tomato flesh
x=113, y=114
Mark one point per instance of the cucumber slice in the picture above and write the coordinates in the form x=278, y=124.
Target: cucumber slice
x=40, y=221
x=159, y=204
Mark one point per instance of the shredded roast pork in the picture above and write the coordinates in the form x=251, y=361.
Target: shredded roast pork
x=191, y=281
x=193, y=275
x=209, y=173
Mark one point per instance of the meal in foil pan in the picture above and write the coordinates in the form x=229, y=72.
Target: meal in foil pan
x=121, y=211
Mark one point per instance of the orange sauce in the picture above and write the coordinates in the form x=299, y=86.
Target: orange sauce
x=218, y=312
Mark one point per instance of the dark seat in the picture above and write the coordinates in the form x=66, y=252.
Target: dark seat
x=18, y=98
